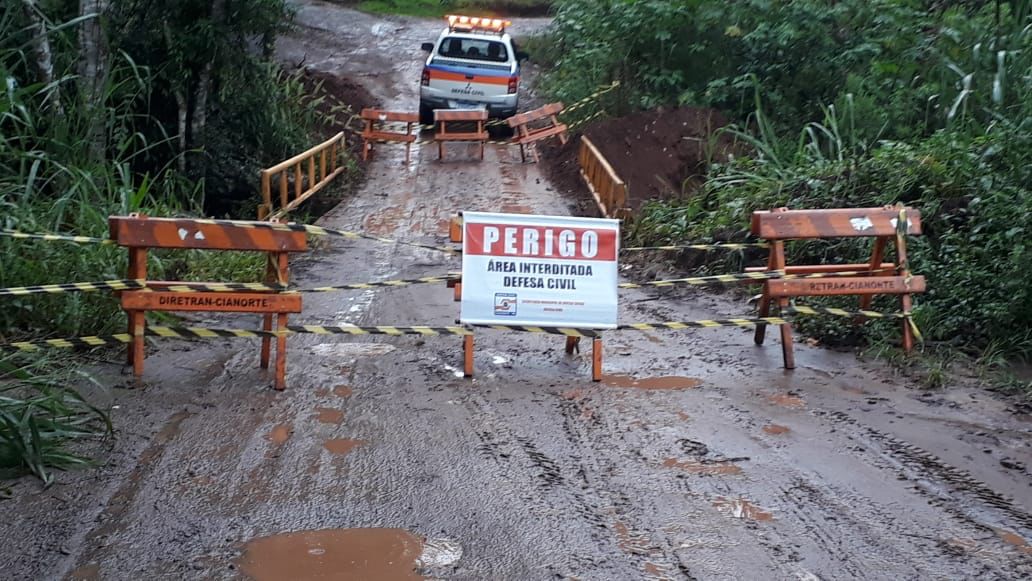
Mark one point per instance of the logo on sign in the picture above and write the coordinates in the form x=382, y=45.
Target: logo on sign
x=505, y=304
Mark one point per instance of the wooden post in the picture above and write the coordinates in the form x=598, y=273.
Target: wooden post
x=266, y=208
x=596, y=359
x=467, y=355
x=283, y=278
x=270, y=278
x=572, y=344
x=137, y=319
x=903, y=269
x=311, y=172
x=284, y=196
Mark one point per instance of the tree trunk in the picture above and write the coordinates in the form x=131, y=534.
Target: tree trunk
x=43, y=57
x=199, y=120
x=92, y=75
x=183, y=110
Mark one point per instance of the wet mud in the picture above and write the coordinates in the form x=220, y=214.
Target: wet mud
x=333, y=554
x=699, y=457
x=341, y=447
x=651, y=383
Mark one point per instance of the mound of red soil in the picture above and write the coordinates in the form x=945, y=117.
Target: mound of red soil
x=662, y=153
x=336, y=92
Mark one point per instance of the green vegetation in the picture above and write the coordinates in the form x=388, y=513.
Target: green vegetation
x=842, y=104
x=153, y=106
x=431, y=8
x=40, y=415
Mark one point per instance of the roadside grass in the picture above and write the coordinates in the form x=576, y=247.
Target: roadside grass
x=434, y=8
x=41, y=416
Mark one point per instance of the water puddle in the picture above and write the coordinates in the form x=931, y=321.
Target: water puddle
x=342, y=391
x=340, y=447
x=742, y=508
x=698, y=467
x=329, y=415
x=787, y=400
x=280, y=433
x=668, y=383
x=684, y=416
x=776, y=430
x=333, y=554
x=1015, y=540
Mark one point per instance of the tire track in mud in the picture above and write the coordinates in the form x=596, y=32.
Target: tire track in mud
x=925, y=464
x=880, y=531
x=568, y=487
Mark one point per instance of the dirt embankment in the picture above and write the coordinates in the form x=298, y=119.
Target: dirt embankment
x=659, y=154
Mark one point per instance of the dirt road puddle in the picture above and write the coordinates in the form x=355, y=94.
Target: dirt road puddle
x=280, y=434
x=775, y=429
x=697, y=467
x=333, y=554
x=341, y=447
x=329, y=415
x=741, y=508
x=342, y=391
x=667, y=383
x=787, y=400
x=1015, y=540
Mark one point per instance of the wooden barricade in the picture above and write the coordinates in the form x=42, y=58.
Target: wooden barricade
x=609, y=190
x=528, y=136
x=465, y=116
x=303, y=169
x=374, y=133
x=139, y=234
x=877, y=276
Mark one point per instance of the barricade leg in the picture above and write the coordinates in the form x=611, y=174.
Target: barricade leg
x=281, y=352
x=137, y=321
x=572, y=345
x=467, y=355
x=908, y=334
x=596, y=359
x=266, y=341
x=764, y=311
x=787, y=348
x=523, y=154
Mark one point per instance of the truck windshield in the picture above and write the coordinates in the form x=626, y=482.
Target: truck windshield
x=473, y=49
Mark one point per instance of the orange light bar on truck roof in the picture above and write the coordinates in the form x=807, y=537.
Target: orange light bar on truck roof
x=474, y=23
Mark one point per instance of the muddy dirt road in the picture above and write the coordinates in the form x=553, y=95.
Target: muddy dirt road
x=698, y=457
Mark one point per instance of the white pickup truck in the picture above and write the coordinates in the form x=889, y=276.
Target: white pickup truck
x=474, y=64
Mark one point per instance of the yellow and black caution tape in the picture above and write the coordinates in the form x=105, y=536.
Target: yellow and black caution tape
x=55, y=237
x=704, y=324
x=803, y=310
x=384, y=283
x=716, y=246
x=129, y=284
x=321, y=231
x=73, y=287
x=707, y=280
x=908, y=317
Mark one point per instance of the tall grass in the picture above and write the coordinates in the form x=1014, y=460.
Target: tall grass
x=41, y=414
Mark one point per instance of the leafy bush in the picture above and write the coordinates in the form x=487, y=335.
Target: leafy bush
x=40, y=416
x=926, y=103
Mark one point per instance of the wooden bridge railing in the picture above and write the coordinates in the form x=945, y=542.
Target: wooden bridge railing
x=609, y=190
x=297, y=178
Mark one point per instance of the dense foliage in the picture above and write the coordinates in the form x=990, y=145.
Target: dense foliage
x=156, y=106
x=844, y=103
